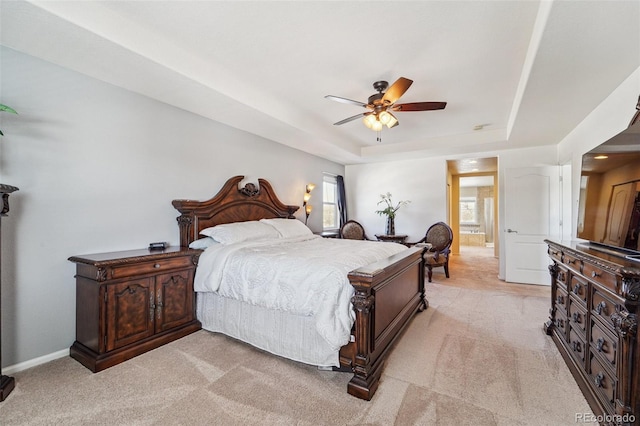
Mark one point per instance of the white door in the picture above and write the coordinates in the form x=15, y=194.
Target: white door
x=532, y=213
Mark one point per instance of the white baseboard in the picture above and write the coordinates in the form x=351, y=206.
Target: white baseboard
x=12, y=369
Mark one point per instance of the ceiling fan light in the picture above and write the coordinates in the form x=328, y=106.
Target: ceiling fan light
x=392, y=121
x=376, y=126
x=370, y=120
x=384, y=117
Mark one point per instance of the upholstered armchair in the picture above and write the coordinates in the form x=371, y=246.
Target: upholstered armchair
x=353, y=230
x=440, y=236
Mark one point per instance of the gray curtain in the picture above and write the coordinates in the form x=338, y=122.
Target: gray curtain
x=342, y=200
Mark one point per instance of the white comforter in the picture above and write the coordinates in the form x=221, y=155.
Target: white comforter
x=303, y=275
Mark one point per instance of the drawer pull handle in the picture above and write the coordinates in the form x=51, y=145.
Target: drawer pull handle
x=599, y=379
x=594, y=274
x=576, y=317
x=571, y=261
x=577, y=347
x=602, y=305
x=560, y=300
x=576, y=289
x=600, y=344
x=157, y=265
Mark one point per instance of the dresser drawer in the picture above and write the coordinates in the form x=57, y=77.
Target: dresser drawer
x=600, y=276
x=577, y=315
x=562, y=277
x=555, y=254
x=577, y=346
x=562, y=299
x=578, y=287
x=604, y=343
x=560, y=322
x=572, y=262
x=602, y=382
x=141, y=268
x=602, y=306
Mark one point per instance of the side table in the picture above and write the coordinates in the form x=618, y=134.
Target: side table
x=391, y=238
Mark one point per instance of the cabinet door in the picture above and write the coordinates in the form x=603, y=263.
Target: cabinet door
x=130, y=308
x=174, y=299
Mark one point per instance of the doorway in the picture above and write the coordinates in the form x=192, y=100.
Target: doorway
x=476, y=223
x=473, y=205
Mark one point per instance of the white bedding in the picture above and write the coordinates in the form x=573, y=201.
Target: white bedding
x=304, y=275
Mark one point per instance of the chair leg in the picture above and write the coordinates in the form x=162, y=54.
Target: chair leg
x=446, y=269
x=429, y=272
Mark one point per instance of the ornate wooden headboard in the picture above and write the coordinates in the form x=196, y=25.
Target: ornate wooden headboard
x=230, y=204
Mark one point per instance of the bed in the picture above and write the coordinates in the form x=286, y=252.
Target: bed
x=381, y=297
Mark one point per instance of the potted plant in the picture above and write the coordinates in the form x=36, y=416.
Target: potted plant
x=6, y=109
x=390, y=211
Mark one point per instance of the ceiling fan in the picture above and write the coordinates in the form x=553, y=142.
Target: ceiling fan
x=382, y=104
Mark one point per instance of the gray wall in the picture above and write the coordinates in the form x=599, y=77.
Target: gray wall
x=97, y=168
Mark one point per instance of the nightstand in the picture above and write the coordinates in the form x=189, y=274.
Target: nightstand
x=130, y=302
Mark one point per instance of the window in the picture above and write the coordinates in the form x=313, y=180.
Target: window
x=329, y=203
x=468, y=210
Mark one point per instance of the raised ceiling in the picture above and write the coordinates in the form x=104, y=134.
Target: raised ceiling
x=526, y=72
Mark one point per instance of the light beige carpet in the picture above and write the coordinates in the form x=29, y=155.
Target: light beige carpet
x=477, y=356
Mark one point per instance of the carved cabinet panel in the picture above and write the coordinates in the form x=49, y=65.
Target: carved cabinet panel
x=130, y=302
x=130, y=312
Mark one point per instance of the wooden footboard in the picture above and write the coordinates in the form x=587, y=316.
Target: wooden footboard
x=388, y=294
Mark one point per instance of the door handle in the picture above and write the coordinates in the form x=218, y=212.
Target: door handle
x=511, y=231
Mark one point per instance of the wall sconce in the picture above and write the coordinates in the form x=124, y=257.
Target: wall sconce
x=307, y=197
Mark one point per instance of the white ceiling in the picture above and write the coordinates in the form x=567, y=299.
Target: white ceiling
x=528, y=71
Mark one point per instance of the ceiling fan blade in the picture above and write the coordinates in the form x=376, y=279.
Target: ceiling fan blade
x=355, y=117
x=419, y=106
x=346, y=101
x=396, y=90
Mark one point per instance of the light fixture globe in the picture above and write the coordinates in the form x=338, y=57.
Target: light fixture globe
x=370, y=120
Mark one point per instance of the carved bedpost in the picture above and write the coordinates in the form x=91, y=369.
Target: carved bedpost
x=548, y=326
x=363, y=384
x=185, y=225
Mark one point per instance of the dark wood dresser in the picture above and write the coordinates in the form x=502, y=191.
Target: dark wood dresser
x=130, y=302
x=595, y=295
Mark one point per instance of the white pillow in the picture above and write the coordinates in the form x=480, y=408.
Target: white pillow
x=230, y=233
x=288, y=227
x=202, y=243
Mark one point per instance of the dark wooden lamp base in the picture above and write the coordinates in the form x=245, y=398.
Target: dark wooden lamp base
x=6, y=383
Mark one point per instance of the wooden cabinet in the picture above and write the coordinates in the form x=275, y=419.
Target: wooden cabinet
x=130, y=302
x=595, y=295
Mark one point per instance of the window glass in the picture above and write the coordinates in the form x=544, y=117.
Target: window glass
x=468, y=210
